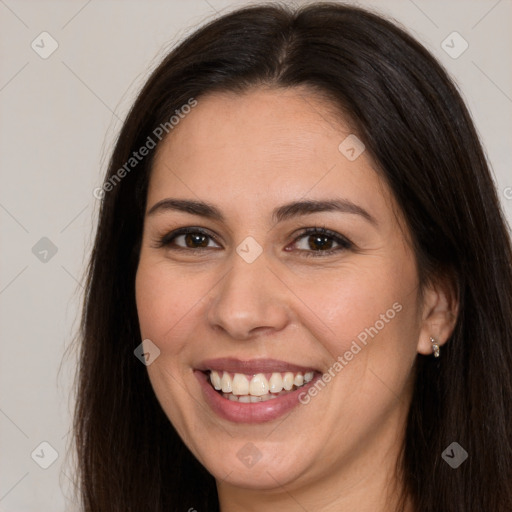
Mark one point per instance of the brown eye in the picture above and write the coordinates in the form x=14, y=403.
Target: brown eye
x=194, y=240
x=188, y=238
x=321, y=242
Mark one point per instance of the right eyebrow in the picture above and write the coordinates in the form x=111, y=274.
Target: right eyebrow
x=185, y=205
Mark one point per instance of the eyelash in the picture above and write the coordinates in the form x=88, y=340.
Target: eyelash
x=343, y=242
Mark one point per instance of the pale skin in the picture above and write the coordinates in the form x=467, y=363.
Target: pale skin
x=247, y=155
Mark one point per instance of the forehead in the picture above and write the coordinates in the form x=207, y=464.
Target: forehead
x=273, y=119
x=264, y=144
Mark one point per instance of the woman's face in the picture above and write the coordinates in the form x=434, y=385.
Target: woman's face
x=295, y=271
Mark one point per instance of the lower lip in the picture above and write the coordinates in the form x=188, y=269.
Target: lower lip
x=253, y=412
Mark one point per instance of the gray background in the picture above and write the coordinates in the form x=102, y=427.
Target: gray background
x=59, y=117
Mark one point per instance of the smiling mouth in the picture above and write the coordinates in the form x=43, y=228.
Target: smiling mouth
x=260, y=387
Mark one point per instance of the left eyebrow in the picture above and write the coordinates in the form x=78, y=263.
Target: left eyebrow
x=307, y=207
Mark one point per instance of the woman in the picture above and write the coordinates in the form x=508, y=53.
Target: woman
x=300, y=240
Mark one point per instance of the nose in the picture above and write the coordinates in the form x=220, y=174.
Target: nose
x=249, y=300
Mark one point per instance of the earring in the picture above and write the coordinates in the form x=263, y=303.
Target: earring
x=435, y=346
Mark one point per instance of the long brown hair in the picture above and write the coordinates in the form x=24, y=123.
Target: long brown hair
x=417, y=129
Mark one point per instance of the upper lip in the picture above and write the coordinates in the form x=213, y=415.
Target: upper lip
x=251, y=366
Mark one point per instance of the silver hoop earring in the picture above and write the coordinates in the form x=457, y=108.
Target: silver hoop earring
x=435, y=347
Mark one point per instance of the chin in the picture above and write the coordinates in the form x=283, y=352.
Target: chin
x=251, y=468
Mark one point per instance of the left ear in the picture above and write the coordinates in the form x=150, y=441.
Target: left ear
x=439, y=315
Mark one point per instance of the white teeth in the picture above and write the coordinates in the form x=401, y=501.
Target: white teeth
x=288, y=381
x=226, y=383
x=299, y=380
x=275, y=383
x=258, y=385
x=251, y=399
x=215, y=380
x=240, y=384
x=243, y=388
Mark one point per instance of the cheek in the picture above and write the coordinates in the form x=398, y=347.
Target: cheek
x=370, y=317
x=356, y=297
x=164, y=311
x=162, y=303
